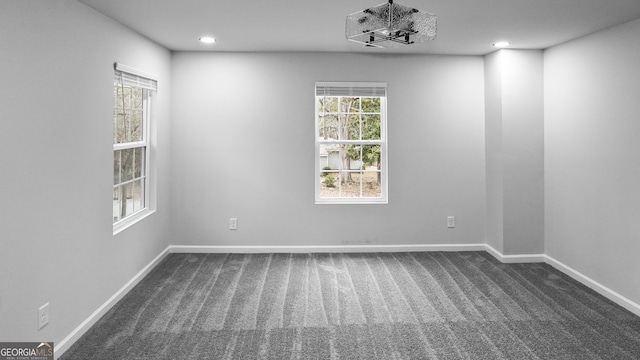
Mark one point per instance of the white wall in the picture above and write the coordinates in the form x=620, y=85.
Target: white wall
x=592, y=167
x=515, y=151
x=523, y=129
x=56, y=239
x=230, y=112
x=494, y=150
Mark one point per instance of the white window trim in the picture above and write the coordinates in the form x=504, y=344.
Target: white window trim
x=147, y=143
x=383, y=142
x=131, y=219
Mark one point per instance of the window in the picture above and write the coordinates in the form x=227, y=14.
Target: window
x=131, y=145
x=351, y=143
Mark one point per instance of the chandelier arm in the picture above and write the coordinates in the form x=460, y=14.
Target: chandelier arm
x=395, y=38
x=390, y=18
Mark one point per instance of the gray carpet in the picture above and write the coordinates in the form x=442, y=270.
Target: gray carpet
x=437, y=305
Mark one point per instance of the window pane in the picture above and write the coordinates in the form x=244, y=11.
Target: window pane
x=371, y=184
x=324, y=158
x=353, y=127
x=329, y=185
x=136, y=99
x=127, y=97
x=349, y=104
x=356, y=179
x=330, y=156
x=348, y=125
x=372, y=175
x=117, y=198
x=118, y=127
x=118, y=96
x=352, y=153
x=127, y=199
x=371, y=156
x=328, y=126
x=116, y=167
x=346, y=152
x=350, y=157
x=126, y=164
x=136, y=126
x=371, y=127
x=350, y=185
x=138, y=160
x=128, y=126
x=329, y=104
x=138, y=195
x=371, y=105
x=127, y=122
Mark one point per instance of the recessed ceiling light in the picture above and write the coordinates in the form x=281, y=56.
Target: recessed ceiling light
x=207, y=39
x=501, y=44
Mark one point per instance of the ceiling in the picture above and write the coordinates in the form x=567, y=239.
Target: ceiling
x=465, y=27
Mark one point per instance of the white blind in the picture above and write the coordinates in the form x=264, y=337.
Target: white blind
x=351, y=89
x=133, y=77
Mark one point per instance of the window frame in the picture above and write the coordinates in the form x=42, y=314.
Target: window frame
x=148, y=85
x=348, y=88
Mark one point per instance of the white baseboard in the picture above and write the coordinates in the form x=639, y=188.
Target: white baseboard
x=512, y=259
x=66, y=343
x=323, y=249
x=594, y=285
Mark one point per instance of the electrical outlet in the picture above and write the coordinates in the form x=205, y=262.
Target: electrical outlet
x=451, y=222
x=233, y=224
x=43, y=316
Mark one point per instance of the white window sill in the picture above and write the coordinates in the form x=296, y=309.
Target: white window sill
x=131, y=220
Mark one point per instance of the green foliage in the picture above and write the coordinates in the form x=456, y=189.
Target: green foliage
x=371, y=155
x=329, y=181
x=325, y=170
x=371, y=105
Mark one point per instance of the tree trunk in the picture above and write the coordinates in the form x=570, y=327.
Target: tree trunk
x=346, y=165
x=123, y=201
